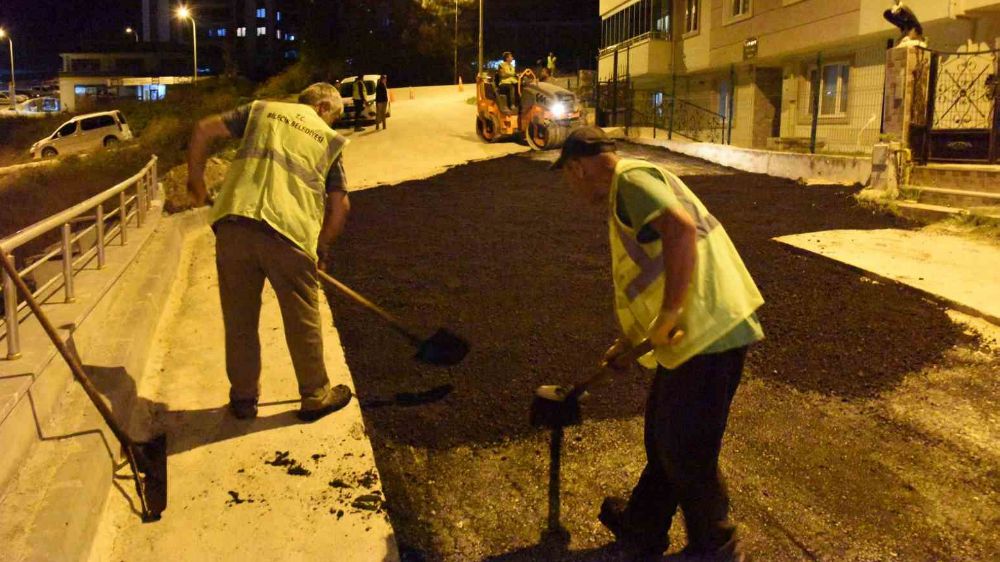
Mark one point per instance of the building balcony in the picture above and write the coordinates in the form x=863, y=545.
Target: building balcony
x=644, y=58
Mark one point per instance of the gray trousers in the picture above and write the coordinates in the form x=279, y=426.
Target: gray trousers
x=247, y=253
x=380, y=108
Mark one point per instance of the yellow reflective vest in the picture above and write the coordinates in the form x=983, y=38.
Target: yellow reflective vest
x=279, y=174
x=721, y=294
x=508, y=74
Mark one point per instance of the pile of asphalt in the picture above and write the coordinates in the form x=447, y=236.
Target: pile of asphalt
x=502, y=253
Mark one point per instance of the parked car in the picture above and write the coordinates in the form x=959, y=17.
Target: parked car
x=5, y=98
x=37, y=107
x=83, y=133
x=347, y=94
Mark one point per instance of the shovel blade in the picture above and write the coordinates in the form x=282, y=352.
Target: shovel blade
x=443, y=348
x=151, y=459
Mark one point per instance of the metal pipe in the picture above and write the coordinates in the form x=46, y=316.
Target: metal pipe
x=10, y=314
x=67, y=262
x=814, y=102
x=100, y=236
x=732, y=98
x=122, y=217
x=140, y=202
x=480, y=69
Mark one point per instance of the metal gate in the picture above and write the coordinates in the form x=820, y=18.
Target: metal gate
x=963, y=124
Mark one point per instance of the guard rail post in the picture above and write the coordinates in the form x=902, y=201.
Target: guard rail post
x=67, y=261
x=99, y=227
x=10, y=314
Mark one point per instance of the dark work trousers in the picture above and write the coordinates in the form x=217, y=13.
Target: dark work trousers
x=359, y=108
x=686, y=417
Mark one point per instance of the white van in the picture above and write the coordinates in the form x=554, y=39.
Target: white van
x=83, y=133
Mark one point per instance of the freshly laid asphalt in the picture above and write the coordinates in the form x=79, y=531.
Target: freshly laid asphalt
x=857, y=433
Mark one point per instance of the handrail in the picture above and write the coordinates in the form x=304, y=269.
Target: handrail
x=935, y=51
x=144, y=182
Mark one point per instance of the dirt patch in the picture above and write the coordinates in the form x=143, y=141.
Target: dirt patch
x=501, y=252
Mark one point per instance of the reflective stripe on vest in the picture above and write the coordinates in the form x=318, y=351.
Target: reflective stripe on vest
x=279, y=174
x=721, y=294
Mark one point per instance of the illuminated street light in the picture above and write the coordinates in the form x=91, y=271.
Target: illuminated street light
x=131, y=31
x=185, y=14
x=10, y=41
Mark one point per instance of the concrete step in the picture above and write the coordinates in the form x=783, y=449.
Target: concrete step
x=958, y=176
x=950, y=197
x=922, y=212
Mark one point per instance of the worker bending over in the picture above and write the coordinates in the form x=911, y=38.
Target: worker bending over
x=281, y=206
x=673, y=267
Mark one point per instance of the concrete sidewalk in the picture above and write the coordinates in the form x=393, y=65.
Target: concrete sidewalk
x=959, y=270
x=233, y=494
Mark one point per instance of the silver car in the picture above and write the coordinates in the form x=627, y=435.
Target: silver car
x=84, y=133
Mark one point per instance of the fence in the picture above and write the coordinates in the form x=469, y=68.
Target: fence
x=618, y=103
x=133, y=198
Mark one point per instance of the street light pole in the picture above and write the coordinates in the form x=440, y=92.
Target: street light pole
x=456, y=41
x=184, y=13
x=480, y=38
x=13, y=89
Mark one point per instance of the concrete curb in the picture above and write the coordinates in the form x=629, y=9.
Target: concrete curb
x=65, y=478
x=808, y=168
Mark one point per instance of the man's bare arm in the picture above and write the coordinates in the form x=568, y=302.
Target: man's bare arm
x=679, y=236
x=205, y=132
x=338, y=206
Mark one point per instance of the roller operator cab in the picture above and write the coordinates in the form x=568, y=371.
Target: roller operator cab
x=543, y=113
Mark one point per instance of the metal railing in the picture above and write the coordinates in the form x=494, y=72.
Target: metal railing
x=133, y=198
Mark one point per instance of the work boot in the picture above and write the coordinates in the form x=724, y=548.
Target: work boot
x=315, y=408
x=244, y=409
x=638, y=545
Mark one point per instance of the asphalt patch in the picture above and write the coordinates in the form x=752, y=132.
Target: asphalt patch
x=501, y=252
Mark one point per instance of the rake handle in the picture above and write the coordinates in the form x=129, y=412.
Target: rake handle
x=382, y=313
x=70, y=358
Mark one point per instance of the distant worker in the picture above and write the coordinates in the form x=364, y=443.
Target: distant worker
x=550, y=63
x=544, y=75
x=507, y=76
x=358, y=98
x=679, y=282
x=282, y=204
x=381, y=100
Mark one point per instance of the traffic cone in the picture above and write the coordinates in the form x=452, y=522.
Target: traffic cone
x=460, y=87
x=411, y=92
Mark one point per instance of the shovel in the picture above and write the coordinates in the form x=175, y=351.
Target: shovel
x=148, y=459
x=442, y=348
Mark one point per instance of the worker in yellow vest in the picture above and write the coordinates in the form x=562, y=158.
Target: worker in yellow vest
x=507, y=76
x=282, y=204
x=680, y=283
x=550, y=63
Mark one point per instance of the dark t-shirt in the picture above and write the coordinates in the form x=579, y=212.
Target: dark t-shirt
x=236, y=121
x=381, y=93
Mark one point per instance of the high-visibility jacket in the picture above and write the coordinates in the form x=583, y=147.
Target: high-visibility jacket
x=358, y=93
x=508, y=74
x=279, y=174
x=721, y=294
x=550, y=62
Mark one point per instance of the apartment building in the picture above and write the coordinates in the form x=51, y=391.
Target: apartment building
x=757, y=61
x=252, y=37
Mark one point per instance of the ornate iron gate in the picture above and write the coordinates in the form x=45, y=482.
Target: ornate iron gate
x=962, y=121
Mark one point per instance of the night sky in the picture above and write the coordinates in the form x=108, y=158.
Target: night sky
x=41, y=29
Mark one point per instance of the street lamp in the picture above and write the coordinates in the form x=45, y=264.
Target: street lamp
x=131, y=31
x=456, y=41
x=13, y=91
x=185, y=14
x=480, y=38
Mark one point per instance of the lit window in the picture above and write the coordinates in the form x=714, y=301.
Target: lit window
x=277, y=16
x=261, y=13
x=278, y=34
x=290, y=37
x=221, y=32
x=832, y=89
x=241, y=32
x=692, y=15
x=261, y=31
x=739, y=8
